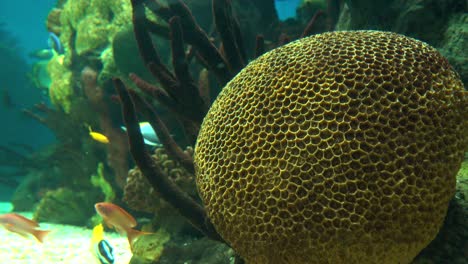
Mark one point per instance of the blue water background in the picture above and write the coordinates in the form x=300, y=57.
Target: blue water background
x=26, y=21
x=286, y=8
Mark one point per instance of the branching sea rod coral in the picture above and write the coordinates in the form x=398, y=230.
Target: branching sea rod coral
x=180, y=94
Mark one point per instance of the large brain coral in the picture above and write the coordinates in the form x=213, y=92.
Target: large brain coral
x=338, y=148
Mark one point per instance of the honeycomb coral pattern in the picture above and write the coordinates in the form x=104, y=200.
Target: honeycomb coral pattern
x=138, y=193
x=337, y=148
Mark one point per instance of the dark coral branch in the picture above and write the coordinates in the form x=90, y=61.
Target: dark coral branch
x=178, y=54
x=163, y=133
x=166, y=100
x=146, y=48
x=41, y=108
x=154, y=91
x=157, y=29
x=193, y=106
x=34, y=116
x=186, y=206
x=229, y=32
x=145, y=45
x=195, y=36
x=308, y=29
x=16, y=157
x=259, y=45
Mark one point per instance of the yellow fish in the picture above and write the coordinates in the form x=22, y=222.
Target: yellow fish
x=100, y=247
x=98, y=234
x=98, y=136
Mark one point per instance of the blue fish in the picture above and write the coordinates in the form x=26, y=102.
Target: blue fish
x=54, y=43
x=104, y=252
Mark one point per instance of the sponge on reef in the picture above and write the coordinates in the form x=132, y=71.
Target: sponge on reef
x=337, y=148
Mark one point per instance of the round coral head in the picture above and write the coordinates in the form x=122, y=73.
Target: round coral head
x=337, y=148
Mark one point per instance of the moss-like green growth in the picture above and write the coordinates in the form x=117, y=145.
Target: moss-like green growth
x=91, y=34
x=39, y=75
x=65, y=206
x=89, y=26
x=94, y=22
x=98, y=180
x=61, y=86
x=148, y=248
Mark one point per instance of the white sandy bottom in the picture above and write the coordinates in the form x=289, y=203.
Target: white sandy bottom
x=64, y=245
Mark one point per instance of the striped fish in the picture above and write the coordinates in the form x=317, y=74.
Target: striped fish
x=104, y=252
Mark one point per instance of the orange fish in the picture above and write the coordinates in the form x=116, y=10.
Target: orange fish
x=116, y=217
x=21, y=225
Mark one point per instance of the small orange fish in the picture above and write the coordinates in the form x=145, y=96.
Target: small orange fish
x=98, y=136
x=116, y=217
x=21, y=225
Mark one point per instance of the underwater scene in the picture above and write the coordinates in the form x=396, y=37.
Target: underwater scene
x=234, y=131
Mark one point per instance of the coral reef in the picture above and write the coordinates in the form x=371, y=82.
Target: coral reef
x=148, y=248
x=40, y=76
x=86, y=30
x=30, y=191
x=342, y=147
x=53, y=23
x=62, y=166
x=117, y=151
x=98, y=180
x=88, y=26
x=177, y=91
x=140, y=196
x=199, y=251
x=61, y=87
x=66, y=206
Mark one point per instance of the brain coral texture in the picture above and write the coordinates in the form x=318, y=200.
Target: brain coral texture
x=337, y=148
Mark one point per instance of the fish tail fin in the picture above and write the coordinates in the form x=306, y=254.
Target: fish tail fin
x=40, y=234
x=133, y=234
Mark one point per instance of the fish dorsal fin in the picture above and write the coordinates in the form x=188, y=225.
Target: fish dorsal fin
x=27, y=220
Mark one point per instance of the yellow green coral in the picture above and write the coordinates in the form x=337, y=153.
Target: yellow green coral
x=94, y=22
x=89, y=26
x=61, y=89
x=98, y=180
x=149, y=247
